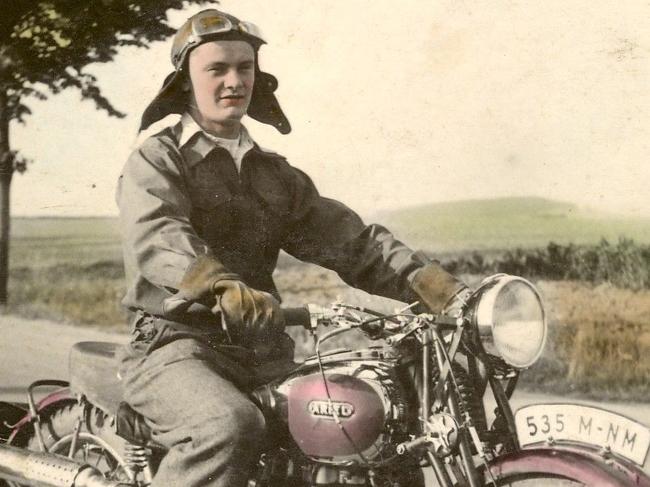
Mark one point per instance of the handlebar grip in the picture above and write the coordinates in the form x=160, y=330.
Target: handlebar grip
x=297, y=317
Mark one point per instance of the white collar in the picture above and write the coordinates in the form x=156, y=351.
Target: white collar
x=195, y=143
x=189, y=128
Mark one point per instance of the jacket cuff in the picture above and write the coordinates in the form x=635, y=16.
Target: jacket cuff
x=204, y=273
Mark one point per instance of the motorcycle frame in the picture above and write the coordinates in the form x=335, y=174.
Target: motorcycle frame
x=36, y=410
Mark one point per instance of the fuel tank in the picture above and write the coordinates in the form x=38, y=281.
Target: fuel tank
x=346, y=413
x=315, y=415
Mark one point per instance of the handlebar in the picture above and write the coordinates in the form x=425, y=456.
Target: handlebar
x=297, y=317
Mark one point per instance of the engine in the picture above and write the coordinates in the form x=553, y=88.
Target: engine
x=358, y=416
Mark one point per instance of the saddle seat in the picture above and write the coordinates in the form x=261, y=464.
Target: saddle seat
x=94, y=374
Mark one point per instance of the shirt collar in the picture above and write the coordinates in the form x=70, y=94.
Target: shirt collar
x=195, y=144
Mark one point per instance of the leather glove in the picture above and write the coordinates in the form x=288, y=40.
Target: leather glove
x=247, y=311
x=254, y=314
x=436, y=287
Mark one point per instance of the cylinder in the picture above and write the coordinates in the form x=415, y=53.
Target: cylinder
x=41, y=469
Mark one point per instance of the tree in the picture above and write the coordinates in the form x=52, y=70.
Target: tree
x=44, y=47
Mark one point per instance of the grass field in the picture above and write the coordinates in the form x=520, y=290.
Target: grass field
x=70, y=270
x=45, y=242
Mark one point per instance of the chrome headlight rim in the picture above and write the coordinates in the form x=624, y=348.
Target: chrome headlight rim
x=484, y=300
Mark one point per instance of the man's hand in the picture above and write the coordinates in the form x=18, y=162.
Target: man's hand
x=251, y=312
x=245, y=310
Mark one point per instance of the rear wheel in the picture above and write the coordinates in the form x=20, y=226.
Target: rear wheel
x=83, y=435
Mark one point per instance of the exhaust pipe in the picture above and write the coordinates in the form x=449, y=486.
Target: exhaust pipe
x=40, y=469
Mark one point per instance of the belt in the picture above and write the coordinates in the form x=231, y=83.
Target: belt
x=210, y=332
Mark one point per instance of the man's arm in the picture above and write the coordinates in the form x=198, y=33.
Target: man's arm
x=161, y=244
x=369, y=257
x=155, y=209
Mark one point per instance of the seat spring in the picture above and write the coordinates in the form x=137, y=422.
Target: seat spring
x=136, y=457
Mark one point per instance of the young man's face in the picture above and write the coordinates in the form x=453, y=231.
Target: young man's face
x=222, y=74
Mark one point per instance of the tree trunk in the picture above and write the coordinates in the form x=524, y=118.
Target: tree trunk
x=6, y=172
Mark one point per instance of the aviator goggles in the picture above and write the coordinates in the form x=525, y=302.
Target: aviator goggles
x=203, y=26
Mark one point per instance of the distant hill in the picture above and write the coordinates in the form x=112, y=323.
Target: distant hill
x=504, y=223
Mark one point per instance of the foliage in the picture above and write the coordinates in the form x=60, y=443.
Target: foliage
x=47, y=44
x=599, y=341
x=624, y=264
x=84, y=294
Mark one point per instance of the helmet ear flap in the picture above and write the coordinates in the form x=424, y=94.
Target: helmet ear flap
x=264, y=106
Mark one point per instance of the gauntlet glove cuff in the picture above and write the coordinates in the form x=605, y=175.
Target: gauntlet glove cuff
x=219, y=286
x=436, y=287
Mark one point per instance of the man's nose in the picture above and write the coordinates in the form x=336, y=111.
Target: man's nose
x=233, y=79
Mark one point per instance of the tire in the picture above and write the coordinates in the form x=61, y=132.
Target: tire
x=97, y=444
x=538, y=480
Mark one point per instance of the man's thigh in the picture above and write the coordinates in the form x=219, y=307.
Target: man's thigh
x=180, y=386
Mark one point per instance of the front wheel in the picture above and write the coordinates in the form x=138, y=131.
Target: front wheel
x=547, y=467
x=538, y=480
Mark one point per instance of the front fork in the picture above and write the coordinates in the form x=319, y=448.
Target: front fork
x=432, y=341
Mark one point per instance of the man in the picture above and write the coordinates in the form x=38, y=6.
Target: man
x=204, y=212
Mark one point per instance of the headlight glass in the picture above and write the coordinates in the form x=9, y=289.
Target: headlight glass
x=511, y=320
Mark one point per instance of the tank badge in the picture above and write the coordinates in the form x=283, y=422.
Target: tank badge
x=325, y=409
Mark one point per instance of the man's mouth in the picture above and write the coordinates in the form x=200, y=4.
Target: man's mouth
x=231, y=100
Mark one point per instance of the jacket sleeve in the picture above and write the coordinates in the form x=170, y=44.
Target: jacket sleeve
x=159, y=241
x=368, y=257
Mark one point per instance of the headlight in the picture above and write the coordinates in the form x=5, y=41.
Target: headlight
x=510, y=319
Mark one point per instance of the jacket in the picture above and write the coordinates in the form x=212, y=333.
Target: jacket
x=180, y=199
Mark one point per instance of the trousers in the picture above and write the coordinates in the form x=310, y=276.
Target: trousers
x=193, y=396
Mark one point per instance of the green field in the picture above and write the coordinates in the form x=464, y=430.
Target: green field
x=46, y=242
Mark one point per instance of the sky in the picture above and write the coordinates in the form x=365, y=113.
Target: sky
x=397, y=104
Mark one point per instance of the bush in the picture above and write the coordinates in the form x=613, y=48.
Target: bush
x=624, y=264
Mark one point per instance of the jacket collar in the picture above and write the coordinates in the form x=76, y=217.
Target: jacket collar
x=195, y=144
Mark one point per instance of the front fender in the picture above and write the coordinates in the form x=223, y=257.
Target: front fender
x=51, y=401
x=572, y=463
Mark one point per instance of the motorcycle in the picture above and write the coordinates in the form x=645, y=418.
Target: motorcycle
x=428, y=404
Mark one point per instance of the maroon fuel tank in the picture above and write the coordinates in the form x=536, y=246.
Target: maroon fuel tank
x=312, y=416
x=361, y=409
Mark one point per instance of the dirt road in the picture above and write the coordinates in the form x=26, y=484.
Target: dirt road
x=37, y=349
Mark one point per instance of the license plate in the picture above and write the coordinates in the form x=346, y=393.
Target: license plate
x=583, y=424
